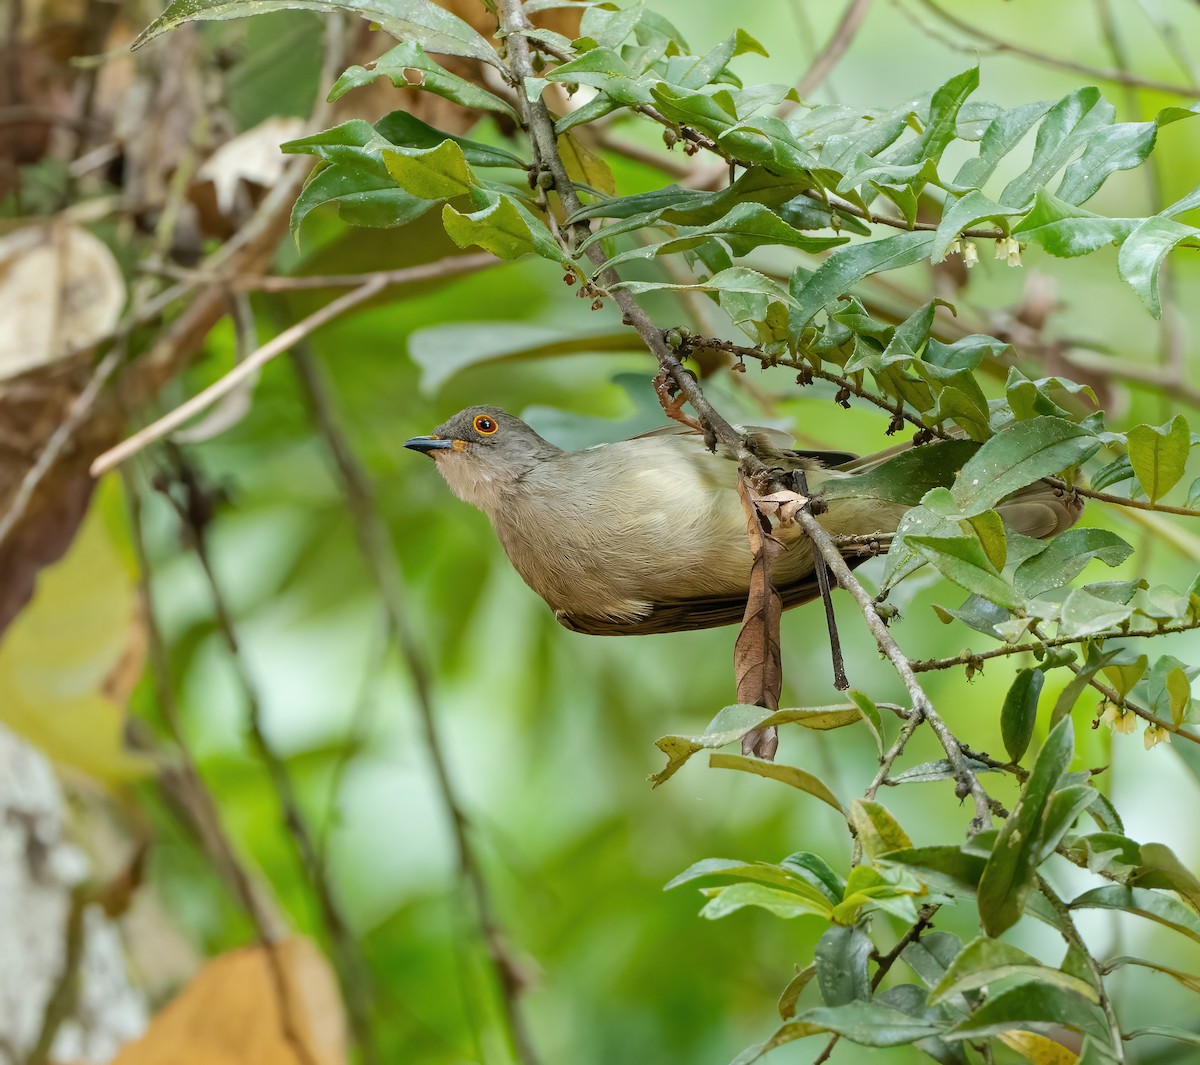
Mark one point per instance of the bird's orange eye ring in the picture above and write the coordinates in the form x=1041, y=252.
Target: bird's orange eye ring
x=484, y=425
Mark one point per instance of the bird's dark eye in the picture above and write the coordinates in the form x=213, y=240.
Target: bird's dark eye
x=485, y=425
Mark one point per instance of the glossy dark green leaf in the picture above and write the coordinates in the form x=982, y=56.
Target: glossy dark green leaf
x=1002, y=135
x=984, y=961
x=407, y=65
x=434, y=27
x=1118, y=147
x=942, y=867
x=1143, y=902
x=1008, y=877
x=814, y=870
x=1064, y=808
x=791, y=775
x=841, y=957
x=1018, y=715
x=1066, y=127
x=1032, y=398
x=866, y=1023
x=848, y=266
x=1067, y=231
x=940, y=130
x=905, y=478
x=1018, y=456
x=1115, y=472
x=1143, y=253
x=931, y=955
x=1158, y=455
x=1029, y=1003
x=1065, y=558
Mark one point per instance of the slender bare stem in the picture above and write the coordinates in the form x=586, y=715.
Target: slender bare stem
x=375, y=544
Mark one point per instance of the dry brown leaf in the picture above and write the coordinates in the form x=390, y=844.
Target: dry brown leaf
x=229, y=1013
x=757, y=665
x=252, y=157
x=60, y=289
x=786, y=505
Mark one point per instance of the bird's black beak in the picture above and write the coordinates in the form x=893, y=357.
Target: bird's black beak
x=429, y=443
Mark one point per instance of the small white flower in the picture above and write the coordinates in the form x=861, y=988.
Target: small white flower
x=970, y=254
x=1155, y=734
x=1118, y=718
x=1009, y=249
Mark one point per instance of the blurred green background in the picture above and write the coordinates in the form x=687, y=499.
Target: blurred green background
x=549, y=734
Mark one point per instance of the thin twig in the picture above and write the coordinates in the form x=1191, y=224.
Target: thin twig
x=1072, y=938
x=967, y=783
x=375, y=544
x=975, y=658
x=828, y=57
x=200, y=806
x=1119, y=77
x=349, y=964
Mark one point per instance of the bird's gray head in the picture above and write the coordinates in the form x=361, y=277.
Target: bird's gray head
x=482, y=452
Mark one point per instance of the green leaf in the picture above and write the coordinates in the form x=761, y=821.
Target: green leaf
x=746, y=227
x=1029, y=1003
x=963, y=213
x=734, y=897
x=1067, y=126
x=1119, y=147
x=584, y=167
x=841, y=957
x=775, y=876
x=1003, y=134
x=1018, y=456
x=865, y=1023
x=1019, y=713
x=1008, y=876
x=940, y=130
x=1143, y=252
x=795, y=988
x=1158, y=455
x=984, y=961
x=1083, y=614
x=1143, y=902
x=503, y=227
x=1165, y=1031
x=1188, y=980
x=905, y=478
x=407, y=65
x=870, y=716
x=785, y=774
x=942, y=867
x=877, y=830
x=1067, y=231
x=733, y=722
x=963, y=560
x=439, y=173
x=435, y=28
x=1065, y=558
x=1162, y=868
x=848, y=266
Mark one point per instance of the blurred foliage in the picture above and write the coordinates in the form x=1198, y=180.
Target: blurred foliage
x=550, y=735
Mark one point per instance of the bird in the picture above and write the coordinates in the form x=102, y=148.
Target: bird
x=648, y=535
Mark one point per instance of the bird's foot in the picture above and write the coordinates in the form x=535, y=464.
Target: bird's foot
x=761, y=743
x=672, y=400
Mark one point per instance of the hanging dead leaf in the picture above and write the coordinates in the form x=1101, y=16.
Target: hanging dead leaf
x=249, y=1008
x=60, y=289
x=757, y=660
x=585, y=167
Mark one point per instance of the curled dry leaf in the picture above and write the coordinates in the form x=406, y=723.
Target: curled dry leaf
x=60, y=290
x=757, y=663
x=232, y=1012
x=785, y=505
x=252, y=157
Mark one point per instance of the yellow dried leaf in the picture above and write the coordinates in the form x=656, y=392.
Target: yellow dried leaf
x=71, y=657
x=230, y=1013
x=585, y=167
x=1038, y=1049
